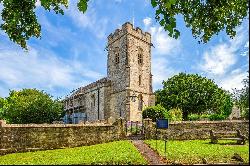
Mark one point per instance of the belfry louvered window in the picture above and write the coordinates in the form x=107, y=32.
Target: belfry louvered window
x=140, y=56
x=117, y=56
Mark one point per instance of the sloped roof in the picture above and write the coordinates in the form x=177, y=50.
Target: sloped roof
x=99, y=82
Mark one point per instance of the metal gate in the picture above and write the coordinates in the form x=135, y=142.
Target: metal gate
x=134, y=128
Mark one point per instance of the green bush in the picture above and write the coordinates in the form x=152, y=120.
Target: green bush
x=174, y=114
x=31, y=106
x=154, y=112
x=216, y=117
x=204, y=116
x=194, y=117
x=1, y=107
x=245, y=113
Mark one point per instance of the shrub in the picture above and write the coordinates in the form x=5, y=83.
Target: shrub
x=217, y=117
x=194, y=117
x=31, y=106
x=154, y=112
x=245, y=113
x=204, y=116
x=1, y=107
x=174, y=114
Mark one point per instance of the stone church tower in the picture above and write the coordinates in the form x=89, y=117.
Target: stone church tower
x=129, y=70
x=128, y=74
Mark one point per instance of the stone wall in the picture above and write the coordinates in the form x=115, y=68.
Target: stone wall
x=29, y=137
x=196, y=129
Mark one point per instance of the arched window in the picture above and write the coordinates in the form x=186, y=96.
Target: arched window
x=139, y=80
x=126, y=54
x=140, y=56
x=92, y=101
x=117, y=58
x=71, y=103
x=140, y=104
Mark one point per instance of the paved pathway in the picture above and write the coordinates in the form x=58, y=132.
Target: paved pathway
x=151, y=156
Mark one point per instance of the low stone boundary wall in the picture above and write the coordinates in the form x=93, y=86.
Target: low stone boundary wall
x=196, y=129
x=29, y=137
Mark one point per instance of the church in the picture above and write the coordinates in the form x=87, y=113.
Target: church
x=126, y=90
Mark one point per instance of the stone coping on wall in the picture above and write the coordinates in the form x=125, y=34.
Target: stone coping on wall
x=3, y=124
x=209, y=122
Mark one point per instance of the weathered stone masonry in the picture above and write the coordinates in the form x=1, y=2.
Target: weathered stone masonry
x=187, y=130
x=30, y=137
x=128, y=73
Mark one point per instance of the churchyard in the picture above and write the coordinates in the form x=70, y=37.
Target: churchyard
x=123, y=152
x=173, y=92
x=119, y=144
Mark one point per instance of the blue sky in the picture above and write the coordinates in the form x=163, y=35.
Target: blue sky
x=71, y=51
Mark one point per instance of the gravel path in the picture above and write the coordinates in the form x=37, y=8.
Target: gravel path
x=151, y=156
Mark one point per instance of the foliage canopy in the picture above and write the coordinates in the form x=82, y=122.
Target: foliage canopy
x=241, y=98
x=204, y=18
x=20, y=21
x=194, y=94
x=31, y=106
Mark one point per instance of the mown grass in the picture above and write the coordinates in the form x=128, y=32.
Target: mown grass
x=119, y=152
x=192, y=151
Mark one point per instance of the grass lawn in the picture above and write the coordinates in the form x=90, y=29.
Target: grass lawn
x=119, y=152
x=192, y=151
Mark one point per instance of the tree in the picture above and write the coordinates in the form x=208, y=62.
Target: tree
x=31, y=106
x=1, y=107
x=205, y=18
x=19, y=19
x=241, y=98
x=194, y=94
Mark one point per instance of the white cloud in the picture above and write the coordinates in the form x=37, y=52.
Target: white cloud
x=147, y=22
x=56, y=34
x=218, y=60
x=41, y=69
x=38, y=3
x=164, y=45
x=164, y=48
x=89, y=20
x=245, y=51
x=161, y=71
x=233, y=80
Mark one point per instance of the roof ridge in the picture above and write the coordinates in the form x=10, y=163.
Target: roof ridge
x=93, y=84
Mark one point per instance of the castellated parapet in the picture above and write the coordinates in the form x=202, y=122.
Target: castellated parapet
x=128, y=29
